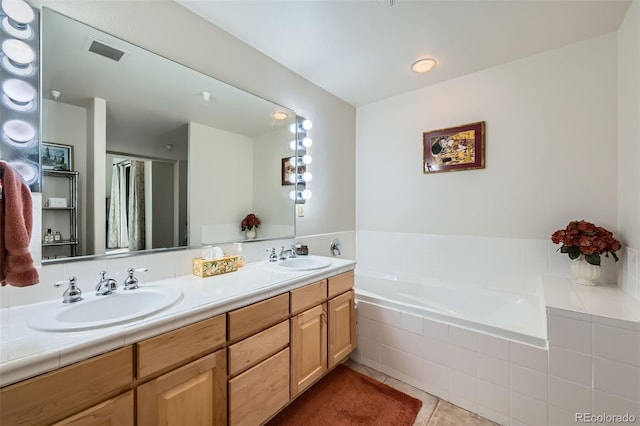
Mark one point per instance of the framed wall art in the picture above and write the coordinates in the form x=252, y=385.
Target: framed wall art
x=289, y=171
x=455, y=148
x=55, y=156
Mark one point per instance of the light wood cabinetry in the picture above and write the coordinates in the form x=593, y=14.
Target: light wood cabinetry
x=260, y=392
x=56, y=395
x=238, y=368
x=342, y=327
x=308, y=348
x=194, y=394
x=118, y=411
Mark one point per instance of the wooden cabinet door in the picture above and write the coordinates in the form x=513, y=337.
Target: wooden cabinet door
x=260, y=392
x=342, y=327
x=195, y=394
x=117, y=411
x=308, y=348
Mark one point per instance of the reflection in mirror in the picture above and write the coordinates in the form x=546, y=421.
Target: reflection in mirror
x=166, y=156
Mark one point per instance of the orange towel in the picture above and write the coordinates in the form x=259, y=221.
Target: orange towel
x=16, y=263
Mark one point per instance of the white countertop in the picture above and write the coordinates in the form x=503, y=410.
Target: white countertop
x=25, y=352
x=607, y=304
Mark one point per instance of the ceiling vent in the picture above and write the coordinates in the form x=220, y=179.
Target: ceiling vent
x=107, y=51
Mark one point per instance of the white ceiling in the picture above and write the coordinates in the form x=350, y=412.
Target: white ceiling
x=361, y=51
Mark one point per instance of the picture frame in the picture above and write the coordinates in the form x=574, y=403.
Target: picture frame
x=288, y=169
x=56, y=156
x=454, y=148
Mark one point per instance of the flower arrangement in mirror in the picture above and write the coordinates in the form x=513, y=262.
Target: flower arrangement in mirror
x=581, y=237
x=249, y=225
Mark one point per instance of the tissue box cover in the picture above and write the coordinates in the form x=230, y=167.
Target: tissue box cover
x=56, y=202
x=208, y=268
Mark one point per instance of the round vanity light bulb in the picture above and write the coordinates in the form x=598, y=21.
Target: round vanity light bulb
x=293, y=161
x=306, y=194
x=306, y=176
x=292, y=195
x=307, y=124
x=293, y=128
x=293, y=145
x=292, y=178
x=307, y=142
x=307, y=159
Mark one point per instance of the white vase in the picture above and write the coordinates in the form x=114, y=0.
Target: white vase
x=583, y=272
x=250, y=234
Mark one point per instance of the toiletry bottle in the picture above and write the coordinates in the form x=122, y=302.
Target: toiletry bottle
x=240, y=253
x=57, y=237
x=48, y=238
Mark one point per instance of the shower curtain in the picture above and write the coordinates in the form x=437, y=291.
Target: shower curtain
x=136, y=206
x=126, y=222
x=117, y=232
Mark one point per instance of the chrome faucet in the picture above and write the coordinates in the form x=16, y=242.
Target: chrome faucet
x=73, y=293
x=273, y=257
x=131, y=282
x=335, y=247
x=288, y=253
x=105, y=285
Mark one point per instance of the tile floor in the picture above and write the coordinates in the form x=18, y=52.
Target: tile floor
x=434, y=411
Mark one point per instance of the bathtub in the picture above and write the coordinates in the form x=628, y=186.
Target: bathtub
x=511, y=316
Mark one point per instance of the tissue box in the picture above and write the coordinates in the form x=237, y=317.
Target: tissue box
x=208, y=268
x=56, y=202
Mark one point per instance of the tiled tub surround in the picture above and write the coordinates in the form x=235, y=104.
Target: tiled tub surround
x=631, y=272
x=25, y=352
x=591, y=365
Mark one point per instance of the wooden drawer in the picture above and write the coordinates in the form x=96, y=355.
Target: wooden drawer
x=63, y=392
x=176, y=346
x=253, y=318
x=116, y=411
x=254, y=349
x=260, y=392
x=308, y=296
x=340, y=283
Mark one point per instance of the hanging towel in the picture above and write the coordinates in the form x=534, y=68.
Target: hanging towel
x=16, y=263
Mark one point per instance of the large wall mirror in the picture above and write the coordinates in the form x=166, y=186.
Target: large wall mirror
x=166, y=156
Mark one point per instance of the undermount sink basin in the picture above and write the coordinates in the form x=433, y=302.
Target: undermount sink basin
x=304, y=263
x=103, y=311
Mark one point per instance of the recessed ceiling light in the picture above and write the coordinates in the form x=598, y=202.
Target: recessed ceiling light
x=280, y=115
x=423, y=65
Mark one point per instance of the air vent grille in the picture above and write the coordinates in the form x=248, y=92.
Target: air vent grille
x=106, y=51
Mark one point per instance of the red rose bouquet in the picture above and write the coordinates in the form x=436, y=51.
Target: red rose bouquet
x=249, y=222
x=581, y=237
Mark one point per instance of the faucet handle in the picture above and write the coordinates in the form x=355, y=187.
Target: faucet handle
x=106, y=285
x=73, y=293
x=131, y=282
x=273, y=257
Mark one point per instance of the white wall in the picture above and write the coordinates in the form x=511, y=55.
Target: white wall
x=550, y=149
x=629, y=145
x=219, y=192
x=95, y=232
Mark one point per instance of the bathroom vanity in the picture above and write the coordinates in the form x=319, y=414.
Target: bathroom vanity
x=224, y=361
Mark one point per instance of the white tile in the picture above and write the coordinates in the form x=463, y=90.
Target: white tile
x=493, y=346
x=616, y=344
x=570, y=333
x=463, y=360
x=411, y=323
x=370, y=350
x=617, y=378
x=493, y=370
x=368, y=328
x=613, y=322
x=436, y=330
x=464, y=338
x=528, y=411
x=463, y=385
x=435, y=350
x=604, y=402
x=569, y=395
x=529, y=356
x=380, y=314
x=529, y=382
x=570, y=365
x=87, y=273
x=493, y=397
x=401, y=340
x=435, y=375
x=496, y=417
x=467, y=404
x=559, y=416
x=407, y=364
